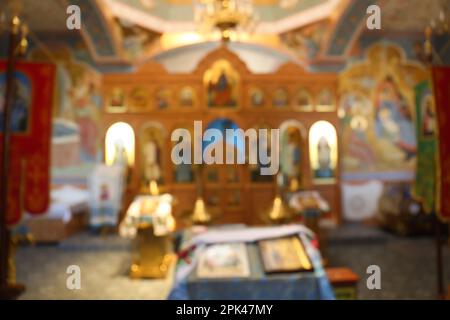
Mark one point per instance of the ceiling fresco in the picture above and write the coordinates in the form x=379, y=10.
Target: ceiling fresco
x=306, y=42
x=163, y=16
x=408, y=15
x=48, y=17
x=181, y=10
x=137, y=42
x=309, y=31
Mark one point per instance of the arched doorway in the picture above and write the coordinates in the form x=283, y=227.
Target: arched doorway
x=223, y=183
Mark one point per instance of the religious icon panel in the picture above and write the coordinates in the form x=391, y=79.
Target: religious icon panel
x=292, y=153
x=152, y=142
x=162, y=98
x=256, y=97
x=187, y=97
x=117, y=100
x=393, y=120
x=325, y=101
x=222, y=85
x=139, y=99
x=183, y=172
x=280, y=98
x=303, y=101
x=22, y=92
x=323, y=151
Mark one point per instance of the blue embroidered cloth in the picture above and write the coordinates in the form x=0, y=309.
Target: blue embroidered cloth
x=259, y=286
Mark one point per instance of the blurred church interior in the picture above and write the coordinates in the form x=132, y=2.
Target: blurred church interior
x=107, y=192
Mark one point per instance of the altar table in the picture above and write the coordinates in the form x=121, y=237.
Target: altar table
x=259, y=286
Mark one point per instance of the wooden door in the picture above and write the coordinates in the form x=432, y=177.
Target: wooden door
x=223, y=191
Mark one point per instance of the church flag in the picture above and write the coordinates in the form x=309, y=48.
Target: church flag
x=29, y=170
x=426, y=126
x=441, y=85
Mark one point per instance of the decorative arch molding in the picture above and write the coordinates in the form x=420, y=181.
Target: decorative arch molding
x=292, y=68
x=258, y=58
x=222, y=53
x=294, y=123
x=151, y=67
x=154, y=124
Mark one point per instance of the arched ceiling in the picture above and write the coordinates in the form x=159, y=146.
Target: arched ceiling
x=47, y=20
x=178, y=15
x=314, y=32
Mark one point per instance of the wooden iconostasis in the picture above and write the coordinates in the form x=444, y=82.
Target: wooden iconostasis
x=143, y=108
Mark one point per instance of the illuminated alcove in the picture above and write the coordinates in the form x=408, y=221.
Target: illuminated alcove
x=120, y=144
x=323, y=151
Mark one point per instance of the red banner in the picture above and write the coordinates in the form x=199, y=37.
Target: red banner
x=29, y=170
x=441, y=84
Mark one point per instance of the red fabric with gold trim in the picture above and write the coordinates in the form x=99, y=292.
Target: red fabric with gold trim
x=441, y=79
x=29, y=174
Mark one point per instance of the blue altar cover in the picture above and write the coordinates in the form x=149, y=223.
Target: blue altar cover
x=259, y=286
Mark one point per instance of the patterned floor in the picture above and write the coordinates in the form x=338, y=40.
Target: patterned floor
x=407, y=266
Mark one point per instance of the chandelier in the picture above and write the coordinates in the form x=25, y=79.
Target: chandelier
x=224, y=16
